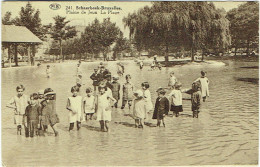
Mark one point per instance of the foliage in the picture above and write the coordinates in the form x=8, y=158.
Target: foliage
x=177, y=26
x=244, y=25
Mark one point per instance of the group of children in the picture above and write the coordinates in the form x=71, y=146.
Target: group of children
x=39, y=111
x=35, y=113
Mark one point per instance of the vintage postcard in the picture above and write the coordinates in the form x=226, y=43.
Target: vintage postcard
x=129, y=83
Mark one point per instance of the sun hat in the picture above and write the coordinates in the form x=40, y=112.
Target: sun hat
x=139, y=93
x=49, y=91
x=161, y=90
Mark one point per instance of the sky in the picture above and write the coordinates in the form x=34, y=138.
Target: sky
x=47, y=14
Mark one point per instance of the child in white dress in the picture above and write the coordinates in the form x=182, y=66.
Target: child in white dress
x=74, y=105
x=104, y=107
x=139, y=109
x=175, y=99
x=147, y=96
x=204, y=82
x=89, y=104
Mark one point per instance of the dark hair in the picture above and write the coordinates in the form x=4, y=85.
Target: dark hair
x=88, y=90
x=101, y=87
x=145, y=84
x=74, y=89
x=20, y=87
x=34, y=96
x=47, y=90
x=128, y=76
x=196, y=86
x=203, y=73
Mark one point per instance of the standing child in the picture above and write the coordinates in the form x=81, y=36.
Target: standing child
x=139, y=109
x=103, y=107
x=128, y=89
x=79, y=80
x=195, y=99
x=204, y=85
x=74, y=105
x=161, y=107
x=147, y=96
x=89, y=104
x=141, y=65
x=32, y=113
x=48, y=111
x=95, y=79
x=115, y=89
x=48, y=71
x=176, y=99
x=19, y=104
x=172, y=80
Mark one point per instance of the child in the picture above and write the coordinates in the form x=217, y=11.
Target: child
x=95, y=79
x=139, y=109
x=147, y=96
x=204, y=82
x=128, y=89
x=115, y=89
x=40, y=100
x=32, y=113
x=153, y=65
x=19, y=104
x=79, y=80
x=195, y=99
x=172, y=80
x=141, y=65
x=74, y=105
x=79, y=71
x=176, y=99
x=48, y=111
x=89, y=104
x=119, y=69
x=161, y=107
x=159, y=66
x=48, y=71
x=103, y=107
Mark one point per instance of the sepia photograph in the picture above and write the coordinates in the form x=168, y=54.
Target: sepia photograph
x=133, y=83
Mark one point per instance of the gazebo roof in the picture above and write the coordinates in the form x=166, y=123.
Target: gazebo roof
x=18, y=34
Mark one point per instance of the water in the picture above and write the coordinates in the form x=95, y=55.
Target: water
x=225, y=133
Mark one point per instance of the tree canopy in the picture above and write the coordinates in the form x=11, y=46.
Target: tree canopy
x=179, y=25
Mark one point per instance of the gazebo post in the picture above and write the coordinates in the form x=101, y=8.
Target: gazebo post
x=29, y=54
x=9, y=56
x=33, y=54
x=15, y=54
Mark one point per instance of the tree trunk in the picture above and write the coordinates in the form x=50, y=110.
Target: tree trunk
x=235, y=50
x=33, y=54
x=247, y=49
x=61, y=50
x=9, y=56
x=15, y=55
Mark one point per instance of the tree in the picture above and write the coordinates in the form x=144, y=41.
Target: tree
x=177, y=26
x=7, y=20
x=122, y=44
x=98, y=37
x=61, y=31
x=244, y=25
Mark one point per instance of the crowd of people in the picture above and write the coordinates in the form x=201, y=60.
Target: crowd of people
x=37, y=112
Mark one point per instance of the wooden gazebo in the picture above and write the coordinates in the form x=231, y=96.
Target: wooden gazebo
x=15, y=35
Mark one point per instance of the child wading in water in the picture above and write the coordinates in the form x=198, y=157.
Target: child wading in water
x=195, y=99
x=176, y=99
x=48, y=111
x=19, y=104
x=147, y=98
x=204, y=85
x=128, y=89
x=74, y=105
x=172, y=80
x=115, y=89
x=103, y=107
x=139, y=109
x=161, y=107
x=32, y=113
x=48, y=71
x=89, y=104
